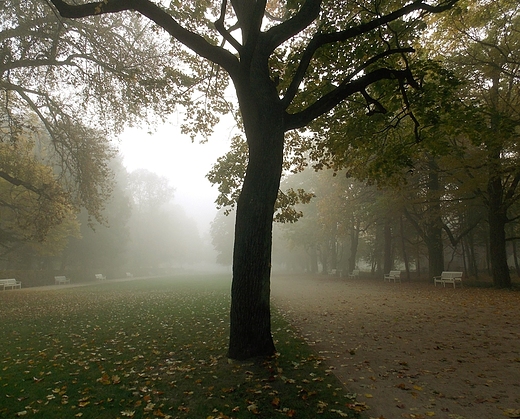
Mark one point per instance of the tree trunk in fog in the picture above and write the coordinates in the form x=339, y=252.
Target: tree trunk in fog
x=497, y=219
x=435, y=251
x=403, y=246
x=515, y=258
x=313, y=259
x=497, y=205
x=354, y=243
x=433, y=230
x=250, y=319
x=389, y=257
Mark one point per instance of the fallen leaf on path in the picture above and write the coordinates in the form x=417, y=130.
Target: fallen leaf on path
x=512, y=413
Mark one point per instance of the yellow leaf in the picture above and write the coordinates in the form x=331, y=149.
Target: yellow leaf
x=512, y=413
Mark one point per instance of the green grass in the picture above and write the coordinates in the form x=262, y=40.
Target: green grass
x=147, y=349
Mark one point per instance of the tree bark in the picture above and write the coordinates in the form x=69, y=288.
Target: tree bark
x=497, y=219
x=250, y=318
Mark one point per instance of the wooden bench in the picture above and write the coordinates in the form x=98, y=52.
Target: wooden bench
x=60, y=280
x=101, y=277
x=448, y=277
x=10, y=283
x=354, y=274
x=393, y=275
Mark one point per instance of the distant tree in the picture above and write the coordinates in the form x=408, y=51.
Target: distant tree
x=484, y=48
x=32, y=204
x=149, y=191
x=103, y=247
x=150, y=225
x=290, y=64
x=222, y=232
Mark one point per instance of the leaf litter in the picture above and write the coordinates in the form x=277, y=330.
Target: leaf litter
x=150, y=351
x=412, y=350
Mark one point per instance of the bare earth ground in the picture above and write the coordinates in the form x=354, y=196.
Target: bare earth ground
x=412, y=350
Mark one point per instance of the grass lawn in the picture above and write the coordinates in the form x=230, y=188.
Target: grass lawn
x=150, y=349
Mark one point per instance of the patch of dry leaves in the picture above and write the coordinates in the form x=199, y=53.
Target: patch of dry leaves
x=412, y=350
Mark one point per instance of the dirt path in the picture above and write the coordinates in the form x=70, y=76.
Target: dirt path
x=412, y=350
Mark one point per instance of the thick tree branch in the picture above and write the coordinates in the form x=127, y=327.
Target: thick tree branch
x=153, y=12
x=333, y=98
x=292, y=90
x=455, y=240
x=293, y=26
x=219, y=25
x=251, y=33
x=18, y=182
x=510, y=196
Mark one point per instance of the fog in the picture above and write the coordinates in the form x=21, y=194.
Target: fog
x=171, y=154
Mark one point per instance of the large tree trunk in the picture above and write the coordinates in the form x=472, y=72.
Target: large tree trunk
x=434, y=244
x=250, y=318
x=497, y=219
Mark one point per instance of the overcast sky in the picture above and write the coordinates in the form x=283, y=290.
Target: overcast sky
x=170, y=154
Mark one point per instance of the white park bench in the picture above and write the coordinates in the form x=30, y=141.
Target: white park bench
x=354, y=274
x=100, y=277
x=448, y=277
x=393, y=276
x=10, y=283
x=60, y=280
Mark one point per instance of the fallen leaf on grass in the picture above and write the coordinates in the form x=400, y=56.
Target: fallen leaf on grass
x=339, y=412
x=358, y=406
x=253, y=408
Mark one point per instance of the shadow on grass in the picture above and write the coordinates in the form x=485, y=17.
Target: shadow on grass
x=151, y=348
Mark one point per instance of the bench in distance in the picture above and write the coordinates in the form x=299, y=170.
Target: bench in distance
x=10, y=283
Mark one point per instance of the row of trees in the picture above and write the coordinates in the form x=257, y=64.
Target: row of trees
x=460, y=153
x=142, y=231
